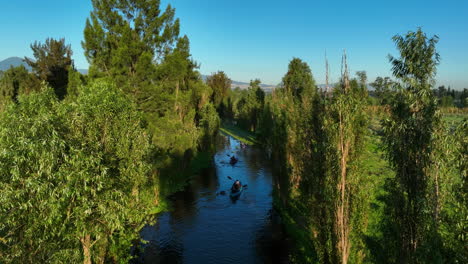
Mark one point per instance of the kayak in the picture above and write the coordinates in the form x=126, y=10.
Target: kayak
x=236, y=193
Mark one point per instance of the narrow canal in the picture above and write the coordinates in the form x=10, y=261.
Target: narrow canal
x=205, y=226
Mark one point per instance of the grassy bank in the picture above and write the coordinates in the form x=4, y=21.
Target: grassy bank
x=239, y=134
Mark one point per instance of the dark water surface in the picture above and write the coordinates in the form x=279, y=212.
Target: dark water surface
x=207, y=227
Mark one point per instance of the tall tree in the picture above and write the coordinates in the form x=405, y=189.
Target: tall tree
x=52, y=63
x=408, y=138
x=318, y=139
x=123, y=38
x=299, y=78
x=137, y=46
x=221, y=86
x=346, y=127
x=250, y=106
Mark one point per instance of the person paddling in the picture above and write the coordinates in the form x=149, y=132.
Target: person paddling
x=236, y=186
x=233, y=160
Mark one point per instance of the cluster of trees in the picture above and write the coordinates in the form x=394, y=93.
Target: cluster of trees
x=75, y=177
x=318, y=140
x=446, y=97
x=449, y=98
x=84, y=159
x=52, y=64
x=246, y=106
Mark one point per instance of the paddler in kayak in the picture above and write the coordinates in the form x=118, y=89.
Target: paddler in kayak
x=236, y=186
x=233, y=160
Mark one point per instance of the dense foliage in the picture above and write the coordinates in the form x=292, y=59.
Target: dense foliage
x=338, y=207
x=73, y=176
x=14, y=82
x=221, y=86
x=317, y=140
x=137, y=46
x=85, y=160
x=52, y=63
x=409, y=133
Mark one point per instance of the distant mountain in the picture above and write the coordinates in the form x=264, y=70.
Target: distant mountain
x=17, y=61
x=323, y=86
x=13, y=62
x=244, y=85
x=83, y=71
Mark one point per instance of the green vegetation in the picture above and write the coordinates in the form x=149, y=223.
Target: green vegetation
x=52, y=63
x=239, y=134
x=72, y=175
x=246, y=106
x=318, y=140
x=454, y=118
x=408, y=135
x=87, y=161
x=366, y=184
x=221, y=86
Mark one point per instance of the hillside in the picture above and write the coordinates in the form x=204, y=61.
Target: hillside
x=245, y=85
x=13, y=62
x=17, y=61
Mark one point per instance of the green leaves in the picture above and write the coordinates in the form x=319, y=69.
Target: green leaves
x=136, y=45
x=221, y=86
x=14, y=82
x=411, y=143
x=299, y=78
x=31, y=151
x=69, y=170
x=419, y=58
x=119, y=33
x=52, y=64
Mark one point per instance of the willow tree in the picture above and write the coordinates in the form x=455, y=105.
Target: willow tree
x=409, y=135
x=74, y=177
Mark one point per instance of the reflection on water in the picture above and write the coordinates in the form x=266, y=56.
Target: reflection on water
x=205, y=226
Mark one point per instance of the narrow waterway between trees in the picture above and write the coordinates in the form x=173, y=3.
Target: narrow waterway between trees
x=205, y=225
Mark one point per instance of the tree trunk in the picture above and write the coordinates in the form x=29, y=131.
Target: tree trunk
x=437, y=196
x=176, y=95
x=343, y=207
x=86, y=243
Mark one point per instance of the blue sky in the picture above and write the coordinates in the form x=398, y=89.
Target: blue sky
x=256, y=38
